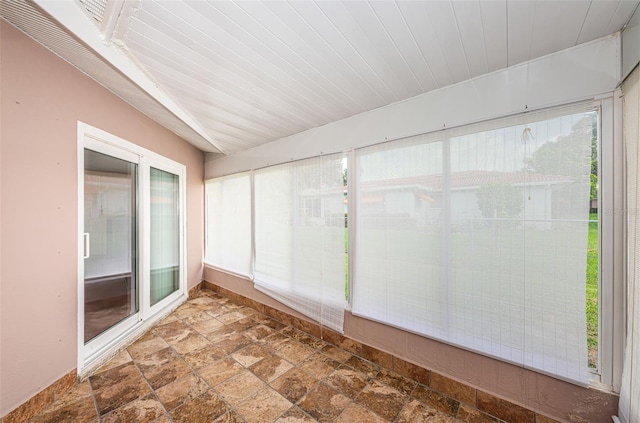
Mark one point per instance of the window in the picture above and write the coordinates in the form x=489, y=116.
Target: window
x=482, y=236
x=165, y=234
x=228, y=203
x=478, y=237
x=299, y=237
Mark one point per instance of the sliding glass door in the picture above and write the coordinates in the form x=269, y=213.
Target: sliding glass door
x=131, y=241
x=110, y=242
x=165, y=235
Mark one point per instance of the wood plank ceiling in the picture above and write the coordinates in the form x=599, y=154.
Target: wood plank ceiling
x=246, y=73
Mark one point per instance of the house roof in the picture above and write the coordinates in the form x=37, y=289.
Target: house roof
x=229, y=75
x=467, y=179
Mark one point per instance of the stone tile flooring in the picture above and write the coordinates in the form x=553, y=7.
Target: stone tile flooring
x=213, y=360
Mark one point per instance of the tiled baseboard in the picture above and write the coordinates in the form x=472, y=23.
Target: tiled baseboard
x=474, y=405
x=42, y=399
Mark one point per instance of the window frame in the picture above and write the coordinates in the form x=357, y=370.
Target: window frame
x=612, y=244
x=611, y=241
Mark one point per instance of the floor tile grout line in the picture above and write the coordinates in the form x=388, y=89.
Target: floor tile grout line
x=229, y=355
x=268, y=384
x=193, y=371
x=406, y=403
x=231, y=407
x=153, y=391
x=317, y=347
x=211, y=388
x=323, y=380
x=93, y=397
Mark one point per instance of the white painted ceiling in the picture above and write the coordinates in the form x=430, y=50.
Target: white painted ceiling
x=231, y=75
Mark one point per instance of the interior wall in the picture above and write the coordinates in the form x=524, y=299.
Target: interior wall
x=575, y=74
x=42, y=99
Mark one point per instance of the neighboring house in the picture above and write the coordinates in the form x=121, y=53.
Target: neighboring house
x=420, y=198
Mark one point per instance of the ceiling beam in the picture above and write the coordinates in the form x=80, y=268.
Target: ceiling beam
x=70, y=16
x=111, y=18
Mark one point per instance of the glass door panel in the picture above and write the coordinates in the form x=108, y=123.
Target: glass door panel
x=165, y=234
x=110, y=270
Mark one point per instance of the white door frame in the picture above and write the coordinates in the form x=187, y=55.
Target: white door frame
x=93, y=353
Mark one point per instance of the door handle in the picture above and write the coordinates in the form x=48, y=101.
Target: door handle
x=87, y=245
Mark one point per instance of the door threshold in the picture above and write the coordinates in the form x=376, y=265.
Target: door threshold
x=117, y=345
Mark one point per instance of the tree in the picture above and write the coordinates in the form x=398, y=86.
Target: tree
x=568, y=154
x=573, y=157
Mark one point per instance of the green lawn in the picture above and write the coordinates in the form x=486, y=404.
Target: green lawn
x=346, y=264
x=592, y=291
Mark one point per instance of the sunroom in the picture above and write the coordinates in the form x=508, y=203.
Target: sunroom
x=414, y=210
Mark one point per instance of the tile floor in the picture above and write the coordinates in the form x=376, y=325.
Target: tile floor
x=214, y=360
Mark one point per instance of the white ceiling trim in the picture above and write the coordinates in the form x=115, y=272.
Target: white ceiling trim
x=73, y=19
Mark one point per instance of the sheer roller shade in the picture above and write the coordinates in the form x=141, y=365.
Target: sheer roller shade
x=229, y=223
x=478, y=237
x=628, y=408
x=299, y=237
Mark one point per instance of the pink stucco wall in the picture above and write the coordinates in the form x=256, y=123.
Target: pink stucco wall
x=41, y=100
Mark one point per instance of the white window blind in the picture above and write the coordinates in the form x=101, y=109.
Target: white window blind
x=229, y=223
x=628, y=408
x=299, y=237
x=478, y=237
